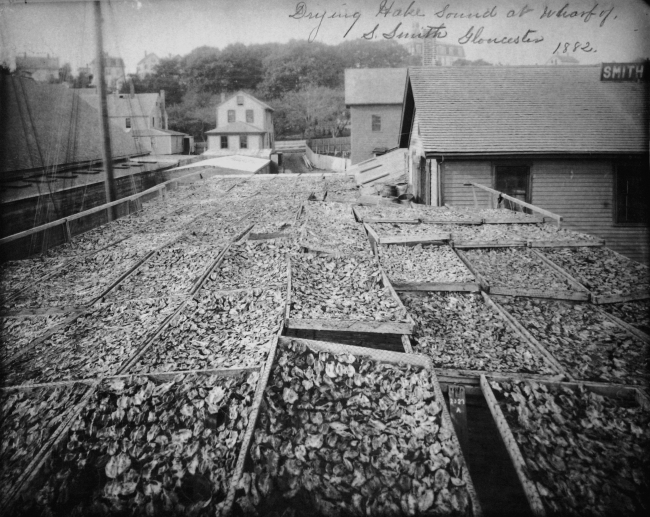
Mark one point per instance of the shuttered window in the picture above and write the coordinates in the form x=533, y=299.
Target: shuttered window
x=250, y=118
x=240, y=100
x=231, y=115
x=632, y=191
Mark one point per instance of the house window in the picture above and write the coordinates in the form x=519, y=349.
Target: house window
x=243, y=142
x=376, y=123
x=224, y=142
x=514, y=181
x=632, y=191
x=231, y=115
x=128, y=123
x=249, y=116
x=153, y=121
x=240, y=100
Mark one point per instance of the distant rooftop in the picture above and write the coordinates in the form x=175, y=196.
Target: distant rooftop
x=374, y=85
x=527, y=110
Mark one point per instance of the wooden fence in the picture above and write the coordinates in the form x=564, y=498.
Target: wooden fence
x=339, y=146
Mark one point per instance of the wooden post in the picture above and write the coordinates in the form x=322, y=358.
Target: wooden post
x=475, y=200
x=111, y=194
x=68, y=233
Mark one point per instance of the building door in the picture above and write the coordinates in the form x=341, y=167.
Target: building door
x=186, y=145
x=424, y=182
x=513, y=180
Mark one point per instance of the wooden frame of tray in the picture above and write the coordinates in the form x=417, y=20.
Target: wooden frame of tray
x=532, y=494
x=377, y=355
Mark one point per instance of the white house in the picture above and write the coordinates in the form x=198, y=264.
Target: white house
x=133, y=110
x=113, y=72
x=147, y=64
x=243, y=123
x=144, y=117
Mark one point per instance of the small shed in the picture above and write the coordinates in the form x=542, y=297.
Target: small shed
x=162, y=141
x=558, y=137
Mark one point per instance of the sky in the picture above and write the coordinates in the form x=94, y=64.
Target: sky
x=589, y=30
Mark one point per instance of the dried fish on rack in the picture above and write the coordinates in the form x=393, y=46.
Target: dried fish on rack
x=328, y=211
x=84, y=280
x=635, y=313
x=585, y=453
x=171, y=271
x=341, y=288
x=16, y=275
x=95, y=344
x=459, y=331
x=516, y=268
x=499, y=215
x=341, y=434
x=154, y=445
x=601, y=270
x=218, y=331
x=423, y=264
x=251, y=264
x=18, y=332
x=30, y=417
x=335, y=236
x=590, y=347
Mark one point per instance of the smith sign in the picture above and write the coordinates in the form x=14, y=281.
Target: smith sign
x=623, y=71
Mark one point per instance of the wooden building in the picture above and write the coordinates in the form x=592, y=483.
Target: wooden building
x=374, y=97
x=243, y=122
x=39, y=68
x=556, y=136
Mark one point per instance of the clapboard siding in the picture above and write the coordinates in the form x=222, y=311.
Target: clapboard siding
x=583, y=193
x=579, y=190
x=455, y=174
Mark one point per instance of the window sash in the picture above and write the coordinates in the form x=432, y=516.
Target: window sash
x=631, y=192
x=243, y=142
x=376, y=123
x=224, y=142
x=250, y=117
x=231, y=115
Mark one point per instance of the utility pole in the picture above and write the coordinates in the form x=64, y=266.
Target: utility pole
x=111, y=191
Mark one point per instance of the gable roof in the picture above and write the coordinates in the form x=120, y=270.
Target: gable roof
x=525, y=110
x=155, y=132
x=149, y=57
x=37, y=63
x=236, y=128
x=374, y=85
x=45, y=125
x=122, y=105
x=241, y=92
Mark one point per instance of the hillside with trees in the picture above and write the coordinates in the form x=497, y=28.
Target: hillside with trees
x=302, y=81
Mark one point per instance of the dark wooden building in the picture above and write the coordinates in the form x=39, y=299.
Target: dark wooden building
x=558, y=137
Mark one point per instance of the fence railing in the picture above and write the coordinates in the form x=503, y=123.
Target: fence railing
x=65, y=221
x=339, y=146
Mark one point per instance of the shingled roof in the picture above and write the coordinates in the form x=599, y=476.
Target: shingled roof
x=123, y=105
x=374, y=85
x=45, y=125
x=525, y=110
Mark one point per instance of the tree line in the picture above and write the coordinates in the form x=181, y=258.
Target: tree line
x=302, y=81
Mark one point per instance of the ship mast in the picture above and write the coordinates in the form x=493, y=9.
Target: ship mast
x=107, y=157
